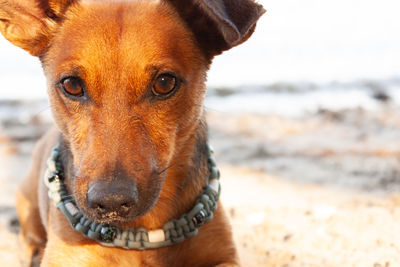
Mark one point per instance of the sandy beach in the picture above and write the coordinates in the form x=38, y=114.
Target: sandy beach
x=317, y=189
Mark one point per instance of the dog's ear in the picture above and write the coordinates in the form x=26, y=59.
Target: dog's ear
x=219, y=25
x=29, y=23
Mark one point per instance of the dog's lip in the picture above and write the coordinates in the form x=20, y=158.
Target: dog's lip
x=110, y=218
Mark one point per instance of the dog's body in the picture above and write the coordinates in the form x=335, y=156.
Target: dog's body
x=126, y=86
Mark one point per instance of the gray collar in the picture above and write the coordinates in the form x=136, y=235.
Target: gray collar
x=172, y=232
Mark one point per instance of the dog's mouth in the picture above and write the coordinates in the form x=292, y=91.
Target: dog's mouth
x=112, y=217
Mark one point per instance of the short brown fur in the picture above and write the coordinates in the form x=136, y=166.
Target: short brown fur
x=120, y=128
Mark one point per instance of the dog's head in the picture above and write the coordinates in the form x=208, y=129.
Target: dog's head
x=126, y=81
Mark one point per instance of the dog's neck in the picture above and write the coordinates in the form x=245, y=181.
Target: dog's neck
x=177, y=195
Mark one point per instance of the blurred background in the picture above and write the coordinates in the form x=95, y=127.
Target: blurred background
x=305, y=121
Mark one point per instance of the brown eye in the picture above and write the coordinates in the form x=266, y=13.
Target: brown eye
x=72, y=86
x=164, y=84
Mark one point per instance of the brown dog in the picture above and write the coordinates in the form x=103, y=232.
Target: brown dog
x=126, y=82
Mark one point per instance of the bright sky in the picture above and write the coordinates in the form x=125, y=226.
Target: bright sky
x=307, y=40
x=317, y=40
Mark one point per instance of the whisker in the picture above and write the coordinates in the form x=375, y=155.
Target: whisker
x=165, y=169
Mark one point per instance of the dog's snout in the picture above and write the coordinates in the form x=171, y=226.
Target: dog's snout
x=112, y=199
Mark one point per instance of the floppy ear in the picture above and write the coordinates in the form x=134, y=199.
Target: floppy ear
x=29, y=23
x=219, y=25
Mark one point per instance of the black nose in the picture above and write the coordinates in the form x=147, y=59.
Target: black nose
x=111, y=199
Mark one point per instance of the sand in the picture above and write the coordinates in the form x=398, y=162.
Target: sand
x=317, y=190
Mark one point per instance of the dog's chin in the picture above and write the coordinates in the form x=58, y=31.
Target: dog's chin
x=116, y=219
x=110, y=218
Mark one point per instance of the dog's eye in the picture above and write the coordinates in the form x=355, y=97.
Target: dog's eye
x=72, y=86
x=164, y=84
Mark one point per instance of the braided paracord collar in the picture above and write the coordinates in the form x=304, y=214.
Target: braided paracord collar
x=173, y=232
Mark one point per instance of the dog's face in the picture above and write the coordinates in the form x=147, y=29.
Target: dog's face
x=126, y=86
x=124, y=91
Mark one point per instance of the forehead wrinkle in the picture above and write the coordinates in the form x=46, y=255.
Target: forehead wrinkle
x=137, y=32
x=163, y=41
x=121, y=39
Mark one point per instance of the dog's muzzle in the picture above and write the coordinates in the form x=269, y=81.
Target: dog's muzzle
x=173, y=232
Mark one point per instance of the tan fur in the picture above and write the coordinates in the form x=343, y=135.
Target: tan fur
x=116, y=47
